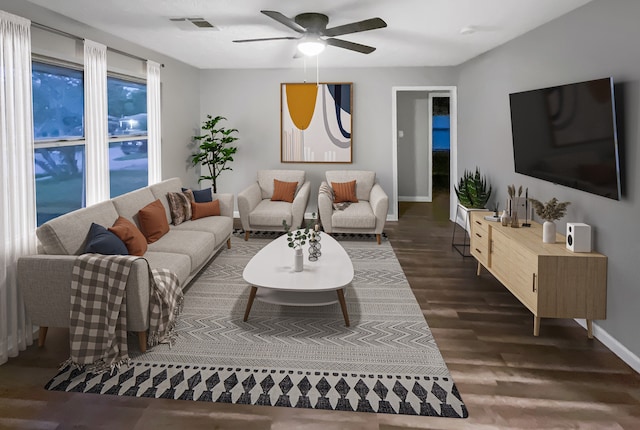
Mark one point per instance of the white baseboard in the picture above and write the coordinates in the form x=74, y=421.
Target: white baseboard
x=426, y=199
x=612, y=343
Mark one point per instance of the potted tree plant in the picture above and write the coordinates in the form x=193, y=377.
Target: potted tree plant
x=550, y=211
x=214, y=151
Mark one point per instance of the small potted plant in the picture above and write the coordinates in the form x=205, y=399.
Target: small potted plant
x=549, y=212
x=472, y=190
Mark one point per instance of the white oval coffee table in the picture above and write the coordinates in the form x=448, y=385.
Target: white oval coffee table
x=322, y=282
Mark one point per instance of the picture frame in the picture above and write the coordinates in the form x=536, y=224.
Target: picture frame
x=316, y=122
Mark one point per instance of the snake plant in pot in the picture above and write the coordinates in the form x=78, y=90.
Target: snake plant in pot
x=472, y=190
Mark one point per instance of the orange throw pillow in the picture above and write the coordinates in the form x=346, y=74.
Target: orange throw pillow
x=201, y=210
x=283, y=191
x=132, y=237
x=153, y=221
x=344, y=192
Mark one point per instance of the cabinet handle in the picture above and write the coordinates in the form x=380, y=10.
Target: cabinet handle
x=479, y=235
x=534, y=283
x=479, y=252
x=478, y=222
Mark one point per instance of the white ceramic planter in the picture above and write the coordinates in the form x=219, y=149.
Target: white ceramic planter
x=549, y=232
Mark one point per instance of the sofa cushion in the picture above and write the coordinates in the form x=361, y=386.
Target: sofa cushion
x=269, y=213
x=197, y=245
x=356, y=215
x=67, y=234
x=344, y=192
x=153, y=221
x=364, y=180
x=179, y=207
x=133, y=238
x=161, y=189
x=201, y=196
x=266, y=177
x=202, y=210
x=220, y=226
x=180, y=264
x=283, y=191
x=102, y=241
x=129, y=204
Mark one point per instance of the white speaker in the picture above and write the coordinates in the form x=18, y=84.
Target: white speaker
x=578, y=237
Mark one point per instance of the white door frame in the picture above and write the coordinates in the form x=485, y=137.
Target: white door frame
x=451, y=92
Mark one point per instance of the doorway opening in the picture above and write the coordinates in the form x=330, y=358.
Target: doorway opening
x=425, y=133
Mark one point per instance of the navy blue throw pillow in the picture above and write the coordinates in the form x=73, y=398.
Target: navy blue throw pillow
x=202, y=196
x=102, y=241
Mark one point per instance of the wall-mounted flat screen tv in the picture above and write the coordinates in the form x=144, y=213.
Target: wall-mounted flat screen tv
x=567, y=135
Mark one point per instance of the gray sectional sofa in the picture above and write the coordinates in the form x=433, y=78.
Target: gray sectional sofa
x=45, y=278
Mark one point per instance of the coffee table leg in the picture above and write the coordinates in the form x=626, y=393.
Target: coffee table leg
x=343, y=305
x=252, y=295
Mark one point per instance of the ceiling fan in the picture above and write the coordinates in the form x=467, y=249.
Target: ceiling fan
x=314, y=34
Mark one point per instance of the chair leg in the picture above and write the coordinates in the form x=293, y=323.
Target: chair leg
x=379, y=238
x=142, y=341
x=42, y=336
x=246, y=235
x=229, y=243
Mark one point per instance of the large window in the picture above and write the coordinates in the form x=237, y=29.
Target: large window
x=58, y=117
x=58, y=120
x=128, y=156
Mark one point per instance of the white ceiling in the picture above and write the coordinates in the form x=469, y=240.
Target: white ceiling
x=419, y=32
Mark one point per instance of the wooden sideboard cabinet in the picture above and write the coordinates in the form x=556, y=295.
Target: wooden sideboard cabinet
x=550, y=280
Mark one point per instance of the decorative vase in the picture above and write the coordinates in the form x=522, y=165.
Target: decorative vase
x=549, y=232
x=314, y=246
x=505, y=220
x=298, y=260
x=515, y=223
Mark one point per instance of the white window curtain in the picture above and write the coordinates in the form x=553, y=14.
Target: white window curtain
x=17, y=199
x=96, y=122
x=153, y=123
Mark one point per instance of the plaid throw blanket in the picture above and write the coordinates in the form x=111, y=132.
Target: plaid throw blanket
x=98, y=326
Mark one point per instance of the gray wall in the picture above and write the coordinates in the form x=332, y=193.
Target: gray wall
x=180, y=92
x=413, y=148
x=598, y=40
x=250, y=100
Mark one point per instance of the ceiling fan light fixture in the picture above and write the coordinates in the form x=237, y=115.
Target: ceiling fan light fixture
x=311, y=45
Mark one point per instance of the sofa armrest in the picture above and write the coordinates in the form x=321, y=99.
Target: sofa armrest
x=45, y=284
x=248, y=199
x=226, y=203
x=380, y=205
x=325, y=209
x=300, y=204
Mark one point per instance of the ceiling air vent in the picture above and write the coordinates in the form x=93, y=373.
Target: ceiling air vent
x=193, y=24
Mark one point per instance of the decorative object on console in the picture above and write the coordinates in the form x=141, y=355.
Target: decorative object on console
x=526, y=222
x=472, y=190
x=296, y=240
x=578, y=237
x=549, y=212
x=504, y=218
x=213, y=150
x=316, y=122
x=314, y=244
x=514, y=204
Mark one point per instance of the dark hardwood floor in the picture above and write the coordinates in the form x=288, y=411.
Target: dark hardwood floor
x=507, y=377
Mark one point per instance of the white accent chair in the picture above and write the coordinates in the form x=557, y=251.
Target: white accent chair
x=367, y=216
x=259, y=213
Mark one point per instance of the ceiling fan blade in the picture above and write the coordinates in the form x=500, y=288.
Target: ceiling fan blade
x=266, y=38
x=355, y=27
x=284, y=20
x=350, y=45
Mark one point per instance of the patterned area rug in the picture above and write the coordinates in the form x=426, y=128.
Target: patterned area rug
x=386, y=362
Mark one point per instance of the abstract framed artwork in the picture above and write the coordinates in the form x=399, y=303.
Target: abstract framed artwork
x=316, y=122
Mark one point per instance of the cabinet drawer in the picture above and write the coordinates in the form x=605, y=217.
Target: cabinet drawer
x=480, y=240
